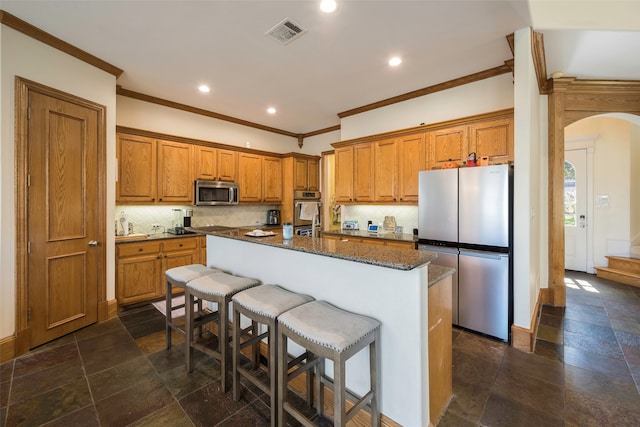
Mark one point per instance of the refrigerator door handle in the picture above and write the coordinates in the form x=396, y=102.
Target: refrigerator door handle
x=480, y=254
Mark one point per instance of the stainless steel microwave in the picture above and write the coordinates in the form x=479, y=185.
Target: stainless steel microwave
x=212, y=193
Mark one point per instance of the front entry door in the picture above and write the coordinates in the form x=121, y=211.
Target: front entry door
x=575, y=209
x=63, y=218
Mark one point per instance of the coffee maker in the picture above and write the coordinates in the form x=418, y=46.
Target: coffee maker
x=273, y=217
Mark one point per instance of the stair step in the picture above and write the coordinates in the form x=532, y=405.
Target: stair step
x=624, y=263
x=621, y=276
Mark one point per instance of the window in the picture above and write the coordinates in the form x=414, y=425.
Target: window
x=569, y=194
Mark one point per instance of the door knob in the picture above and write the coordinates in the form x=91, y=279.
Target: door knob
x=93, y=243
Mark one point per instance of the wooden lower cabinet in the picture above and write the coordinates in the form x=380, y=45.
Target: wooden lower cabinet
x=140, y=266
x=440, y=347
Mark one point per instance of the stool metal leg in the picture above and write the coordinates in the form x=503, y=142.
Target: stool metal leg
x=237, y=332
x=223, y=342
x=188, y=336
x=282, y=378
x=339, y=392
x=167, y=311
x=373, y=368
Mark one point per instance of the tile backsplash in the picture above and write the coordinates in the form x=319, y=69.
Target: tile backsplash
x=144, y=217
x=406, y=216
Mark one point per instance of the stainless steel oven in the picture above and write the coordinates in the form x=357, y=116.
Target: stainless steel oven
x=306, y=210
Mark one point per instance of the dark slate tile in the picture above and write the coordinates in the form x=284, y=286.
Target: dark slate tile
x=97, y=329
x=134, y=403
x=209, y=406
x=602, y=386
x=550, y=334
x=50, y=405
x=171, y=415
x=623, y=311
x=593, y=362
x=144, y=314
x=181, y=383
x=34, y=362
x=584, y=409
x=549, y=350
x=118, y=378
x=6, y=370
x=104, y=342
x=147, y=327
x=501, y=411
x=552, y=321
x=85, y=417
x=591, y=330
x=597, y=345
x=625, y=326
x=255, y=414
x=449, y=419
x=27, y=386
x=164, y=360
x=96, y=361
x=535, y=393
x=595, y=318
x=553, y=311
x=517, y=363
x=5, y=386
x=485, y=348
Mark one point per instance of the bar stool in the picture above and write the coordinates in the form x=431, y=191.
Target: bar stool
x=262, y=305
x=178, y=277
x=329, y=333
x=218, y=288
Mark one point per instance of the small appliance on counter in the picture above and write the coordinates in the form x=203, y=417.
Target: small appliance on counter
x=181, y=219
x=273, y=217
x=350, y=224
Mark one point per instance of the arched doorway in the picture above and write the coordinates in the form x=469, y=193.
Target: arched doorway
x=570, y=100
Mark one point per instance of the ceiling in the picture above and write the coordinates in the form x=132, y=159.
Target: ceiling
x=168, y=48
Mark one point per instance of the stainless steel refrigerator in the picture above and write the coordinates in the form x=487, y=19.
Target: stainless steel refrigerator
x=465, y=215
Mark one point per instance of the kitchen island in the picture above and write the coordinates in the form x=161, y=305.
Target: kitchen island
x=389, y=284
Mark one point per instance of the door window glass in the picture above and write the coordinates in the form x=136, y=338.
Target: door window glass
x=569, y=194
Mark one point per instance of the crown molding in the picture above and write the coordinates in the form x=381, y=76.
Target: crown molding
x=46, y=38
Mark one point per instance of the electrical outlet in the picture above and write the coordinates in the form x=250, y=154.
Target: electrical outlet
x=155, y=227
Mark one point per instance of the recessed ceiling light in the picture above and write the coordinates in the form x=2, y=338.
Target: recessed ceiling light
x=204, y=88
x=328, y=6
x=271, y=110
x=395, y=61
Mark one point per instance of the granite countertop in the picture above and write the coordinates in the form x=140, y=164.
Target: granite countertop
x=366, y=235
x=156, y=236
x=439, y=272
x=382, y=256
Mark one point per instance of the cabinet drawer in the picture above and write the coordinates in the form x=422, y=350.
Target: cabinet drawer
x=179, y=244
x=143, y=248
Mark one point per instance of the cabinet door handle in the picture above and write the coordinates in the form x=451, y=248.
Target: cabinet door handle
x=93, y=243
x=140, y=249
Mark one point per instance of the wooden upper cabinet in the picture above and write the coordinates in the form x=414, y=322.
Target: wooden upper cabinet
x=206, y=163
x=272, y=179
x=412, y=159
x=250, y=177
x=227, y=165
x=175, y=172
x=216, y=164
x=136, y=169
x=306, y=174
x=363, y=167
x=386, y=170
x=492, y=138
x=344, y=174
x=448, y=144
x=300, y=174
x=313, y=175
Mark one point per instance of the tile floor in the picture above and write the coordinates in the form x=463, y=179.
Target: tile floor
x=585, y=371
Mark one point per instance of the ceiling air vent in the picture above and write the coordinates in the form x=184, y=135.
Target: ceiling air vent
x=286, y=31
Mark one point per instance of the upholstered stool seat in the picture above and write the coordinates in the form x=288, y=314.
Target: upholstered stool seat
x=262, y=305
x=218, y=288
x=328, y=332
x=178, y=277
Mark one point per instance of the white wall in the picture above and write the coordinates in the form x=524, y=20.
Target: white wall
x=143, y=115
x=474, y=98
x=614, y=170
x=25, y=57
x=527, y=174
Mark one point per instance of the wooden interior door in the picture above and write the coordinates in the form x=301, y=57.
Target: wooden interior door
x=64, y=223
